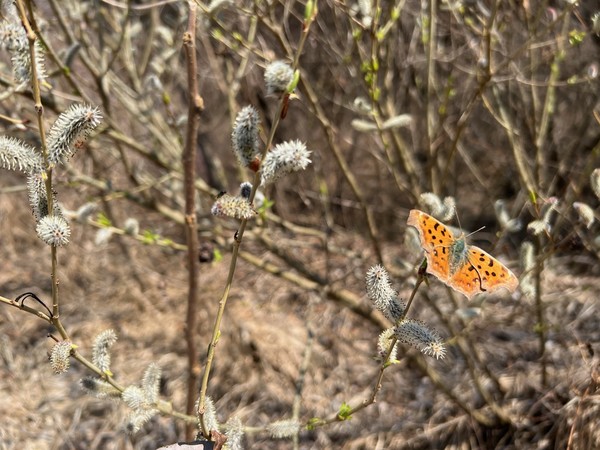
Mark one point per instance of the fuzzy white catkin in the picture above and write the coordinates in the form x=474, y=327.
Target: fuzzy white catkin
x=235, y=433
x=244, y=137
x=586, y=213
x=235, y=207
x=278, y=75
x=99, y=388
x=415, y=333
x=101, y=349
x=289, y=156
x=134, y=397
x=59, y=356
x=210, y=413
x=383, y=344
x=17, y=155
x=131, y=226
x=443, y=210
x=283, y=428
x=595, y=182
x=70, y=130
x=381, y=293
x=54, y=231
x=151, y=383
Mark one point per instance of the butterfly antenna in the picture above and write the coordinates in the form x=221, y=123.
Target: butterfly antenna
x=476, y=231
x=456, y=215
x=460, y=226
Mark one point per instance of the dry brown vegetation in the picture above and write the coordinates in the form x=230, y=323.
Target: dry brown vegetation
x=504, y=105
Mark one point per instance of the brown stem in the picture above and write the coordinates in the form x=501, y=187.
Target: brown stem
x=196, y=104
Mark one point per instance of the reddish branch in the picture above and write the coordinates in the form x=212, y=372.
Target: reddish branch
x=196, y=105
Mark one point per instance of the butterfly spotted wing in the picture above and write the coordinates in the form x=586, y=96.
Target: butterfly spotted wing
x=465, y=268
x=437, y=240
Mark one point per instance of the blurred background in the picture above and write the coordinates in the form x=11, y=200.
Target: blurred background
x=493, y=104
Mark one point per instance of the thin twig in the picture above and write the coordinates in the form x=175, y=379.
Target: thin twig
x=195, y=106
x=238, y=240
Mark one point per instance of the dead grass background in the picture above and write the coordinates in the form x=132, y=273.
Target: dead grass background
x=139, y=290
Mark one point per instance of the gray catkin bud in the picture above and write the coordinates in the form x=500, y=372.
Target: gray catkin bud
x=245, y=190
x=383, y=345
x=595, y=182
x=586, y=214
x=548, y=210
x=416, y=334
x=284, y=428
x=103, y=236
x=70, y=130
x=36, y=189
x=381, y=293
x=278, y=75
x=132, y=226
x=138, y=418
x=13, y=39
x=151, y=383
x=538, y=227
x=527, y=259
x=210, y=414
x=134, y=397
x=21, y=63
x=99, y=388
x=235, y=433
x=101, y=349
x=59, y=356
x=17, y=155
x=244, y=137
x=506, y=222
x=443, y=210
x=85, y=211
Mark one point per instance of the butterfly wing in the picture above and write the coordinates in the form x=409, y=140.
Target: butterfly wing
x=493, y=274
x=437, y=241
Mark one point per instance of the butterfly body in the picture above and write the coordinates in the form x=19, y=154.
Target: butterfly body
x=465, y=268
x=458, y=254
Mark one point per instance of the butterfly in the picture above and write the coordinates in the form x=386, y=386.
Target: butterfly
x=465, y=268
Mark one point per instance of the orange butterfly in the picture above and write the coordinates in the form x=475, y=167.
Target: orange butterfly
x=465, y=268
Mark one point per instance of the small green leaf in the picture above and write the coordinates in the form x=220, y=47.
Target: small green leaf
x=294, y=82
x=266, y=205
x=345, y=412
x=217, y=255
x=375, y=64
x=103, y=220
x=149, y=237
x=576, y=37
x=312, y=423
x=533, y=197
x=376, y=95
x=309, y=10
x=323, y=190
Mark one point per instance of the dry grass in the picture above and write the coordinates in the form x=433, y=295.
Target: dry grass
x=261, y=350
x=479, y=133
